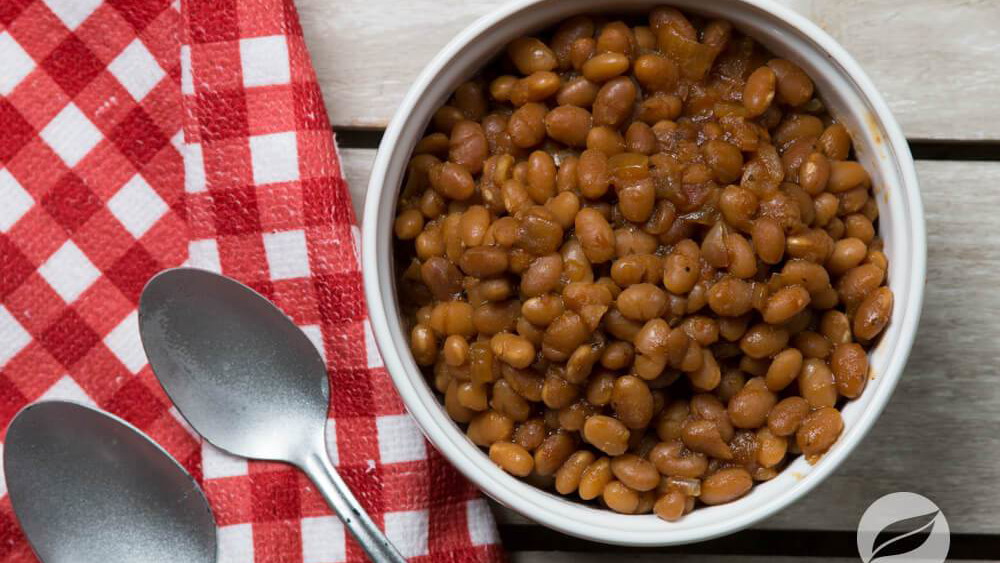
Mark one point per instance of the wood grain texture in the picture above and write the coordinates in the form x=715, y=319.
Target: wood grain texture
x=357, y=166
x=934, y=60
x=940, y=434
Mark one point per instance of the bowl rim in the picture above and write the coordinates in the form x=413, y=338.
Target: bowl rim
x=533, y=502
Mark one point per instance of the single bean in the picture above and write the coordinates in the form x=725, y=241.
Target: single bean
x=642, y=302
x=819, y=431
x=786, y=417
x=529, y=434
x=483, y=261
x=456, y=351
x=531, y=55
x=568, y=124
x=655, y=72
x=670, y=506
x=578, y=92
x=785, y=304
x=759, y=91
x=553, y=452
x=527, y=126
x=635, y=472
x=512, y=349
x=673, y=459
x=632, y=402
x=594, y=478
x=581, y=51
x=489, y=427
x=873, y=314
x=680, y=273
x=595, y=235
x=468, y=146
x=614, y=101
x=812, y=344
x=502, y=86
x=445, y=118
x=542, y=276
x=409, y=224
x=704, y=436
x=817, y=385
x=568, y=475
x=846, y=175
x=705, y=375
x=749, y=407
x=725, y=485
x=794, y=87
x=558, y=393
x=813, y=245
x=814, y=173
x=835, y=142
x=605, y=66
x=564, y=335
x=742, y=260
x=536, y=87
x=508, y=402
x=452, y=181
x=849, y=363
x=616, y=37
x=784, y=369
x=858, y=283
x=606, y=434
x=738, y=206
x=512, y=458
x=620, y=497
x=763, y=340
x=771, y=448
x=471, y=100
x=423, y=344
x=600, y=388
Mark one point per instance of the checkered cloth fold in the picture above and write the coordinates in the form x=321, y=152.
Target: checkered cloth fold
x=137, y=135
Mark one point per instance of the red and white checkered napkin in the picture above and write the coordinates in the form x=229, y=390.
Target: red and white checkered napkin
x=138, y=134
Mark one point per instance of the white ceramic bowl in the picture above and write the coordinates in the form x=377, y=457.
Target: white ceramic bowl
x=880, y=144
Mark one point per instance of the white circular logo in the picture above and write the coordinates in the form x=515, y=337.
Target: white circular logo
x=903, y=528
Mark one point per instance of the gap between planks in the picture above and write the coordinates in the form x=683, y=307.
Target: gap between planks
x=938, y=436
x=922, y=149
x=610, y=555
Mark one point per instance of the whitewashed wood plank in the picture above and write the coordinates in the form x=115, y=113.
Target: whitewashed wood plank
x=936, y=61
x=940, y=435
x=367, y=52
x=357, y=166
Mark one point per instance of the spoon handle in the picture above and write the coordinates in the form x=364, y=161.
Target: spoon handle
x=318, y=467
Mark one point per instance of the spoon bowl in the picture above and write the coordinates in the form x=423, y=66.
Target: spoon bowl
x=248, y=380
x=88, y=487
x=239, y=370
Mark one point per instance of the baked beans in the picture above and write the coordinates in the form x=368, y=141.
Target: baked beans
x=639, y=261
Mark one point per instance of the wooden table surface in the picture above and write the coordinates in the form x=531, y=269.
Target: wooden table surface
x=938, y=64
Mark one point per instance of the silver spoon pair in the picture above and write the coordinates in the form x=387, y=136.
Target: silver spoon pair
x=242, y=374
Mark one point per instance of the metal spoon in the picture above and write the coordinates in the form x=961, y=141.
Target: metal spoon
x=248, y=380
x=88, y=487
